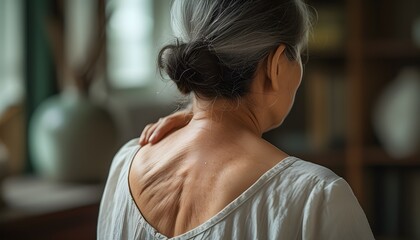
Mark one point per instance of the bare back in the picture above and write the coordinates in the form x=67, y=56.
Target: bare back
x=191, y=175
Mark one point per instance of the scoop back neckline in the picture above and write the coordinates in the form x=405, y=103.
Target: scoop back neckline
x=237, y=202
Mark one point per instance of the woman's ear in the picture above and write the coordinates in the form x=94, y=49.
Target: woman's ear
x=273, y=71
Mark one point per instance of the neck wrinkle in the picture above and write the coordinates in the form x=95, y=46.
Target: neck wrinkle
x=234, y=115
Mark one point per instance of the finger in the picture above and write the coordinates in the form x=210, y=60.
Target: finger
x=150, y=130
x=145, y=134
x=168, y=124
x=162, y=128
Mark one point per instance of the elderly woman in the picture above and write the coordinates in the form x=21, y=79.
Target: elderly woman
x=216, y=178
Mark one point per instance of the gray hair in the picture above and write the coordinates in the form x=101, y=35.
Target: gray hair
x=220, y=42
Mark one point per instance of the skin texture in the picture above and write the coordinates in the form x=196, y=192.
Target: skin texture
x=154, y=132
x=208, y=158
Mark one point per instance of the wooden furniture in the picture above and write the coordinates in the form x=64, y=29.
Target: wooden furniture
x=38, y=209
x=381, y=45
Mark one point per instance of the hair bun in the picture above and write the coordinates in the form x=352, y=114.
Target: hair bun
x=193, y=67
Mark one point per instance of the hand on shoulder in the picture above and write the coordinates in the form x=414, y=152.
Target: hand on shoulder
x=154, y=132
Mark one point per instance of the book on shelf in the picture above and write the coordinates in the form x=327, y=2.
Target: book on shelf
x=329, y=29
x=326, y=108
x=411, y=204
x=388, y=200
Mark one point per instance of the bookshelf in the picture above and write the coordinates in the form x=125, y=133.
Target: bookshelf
x=372, y=42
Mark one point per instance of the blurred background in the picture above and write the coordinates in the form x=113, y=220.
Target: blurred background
x=78, y=79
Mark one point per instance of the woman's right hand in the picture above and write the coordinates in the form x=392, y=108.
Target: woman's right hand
x=154, y=132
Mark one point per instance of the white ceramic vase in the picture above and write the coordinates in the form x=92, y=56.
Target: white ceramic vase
x=72, y=139
x=396, y=117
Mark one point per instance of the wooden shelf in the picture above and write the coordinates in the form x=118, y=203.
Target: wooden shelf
x=377, y=157
x=327, y=55
x=392, y=50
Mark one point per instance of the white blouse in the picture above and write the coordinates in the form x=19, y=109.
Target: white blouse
x=293, y=200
